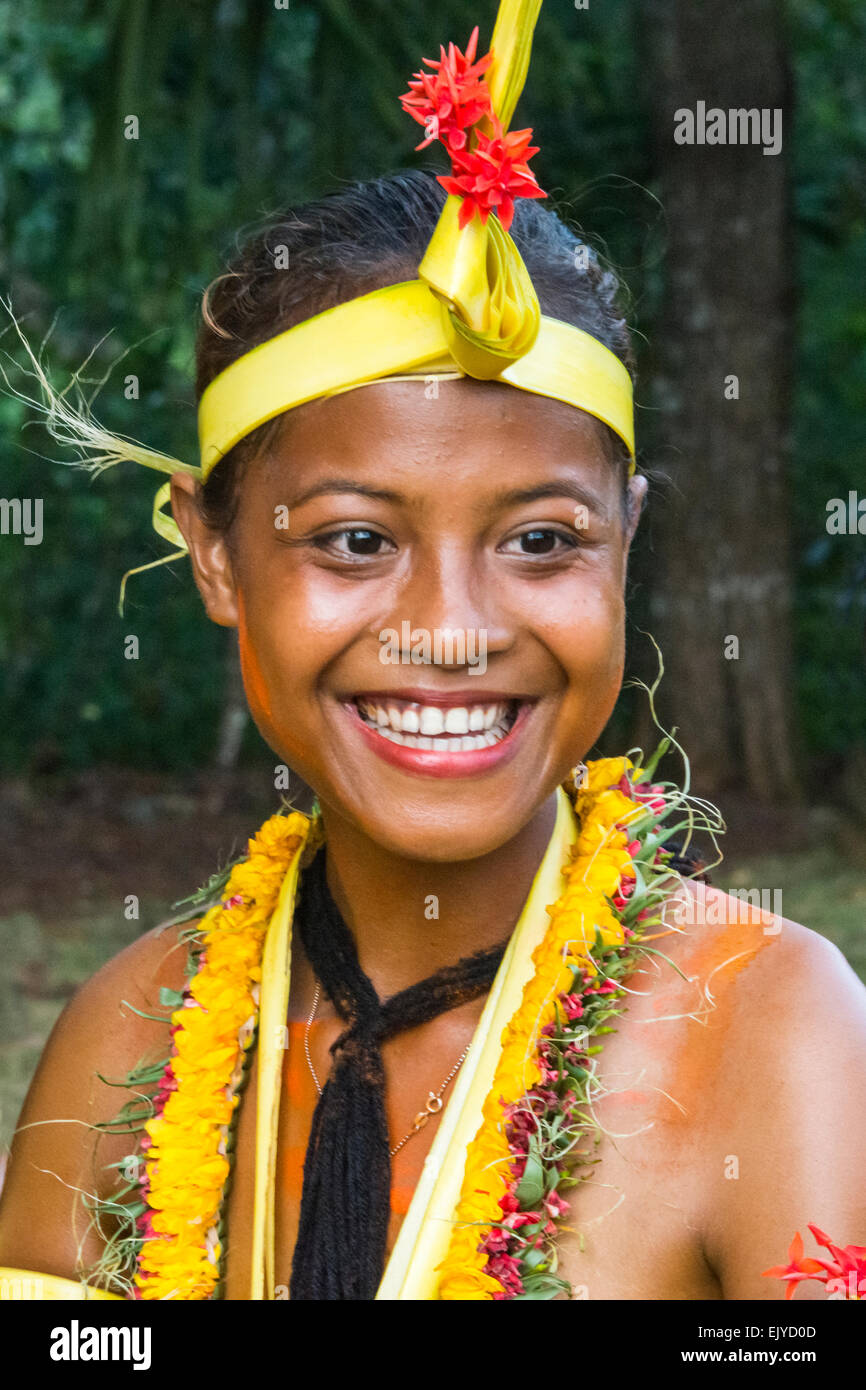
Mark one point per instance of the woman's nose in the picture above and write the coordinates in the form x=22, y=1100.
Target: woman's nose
x=452, y=610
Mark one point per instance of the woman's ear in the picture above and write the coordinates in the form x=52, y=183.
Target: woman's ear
x=209, y=553
x=637, y=492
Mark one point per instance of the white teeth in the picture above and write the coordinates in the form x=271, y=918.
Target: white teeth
x=469, y=744
x=457, y=721
x=424, y=726
x=432, y=720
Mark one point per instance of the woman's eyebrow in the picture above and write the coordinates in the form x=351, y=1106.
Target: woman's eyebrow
x=566, y=487
x=346, y=485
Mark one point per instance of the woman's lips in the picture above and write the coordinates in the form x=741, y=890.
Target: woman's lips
x=440, y=736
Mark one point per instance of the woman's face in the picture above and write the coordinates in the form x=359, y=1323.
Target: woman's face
x=429, y=597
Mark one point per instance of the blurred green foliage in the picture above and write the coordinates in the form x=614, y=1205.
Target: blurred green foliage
x=242, y=108
x=829, y=418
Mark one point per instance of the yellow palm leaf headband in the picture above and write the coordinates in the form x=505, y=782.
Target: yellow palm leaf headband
x=473, y=310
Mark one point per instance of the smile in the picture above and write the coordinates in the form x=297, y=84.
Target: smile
x=439, y=736
x=453, y=728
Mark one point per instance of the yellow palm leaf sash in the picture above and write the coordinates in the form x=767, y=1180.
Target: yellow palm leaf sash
x=32, y=1286
x=428, y=1224
x=425, y=1235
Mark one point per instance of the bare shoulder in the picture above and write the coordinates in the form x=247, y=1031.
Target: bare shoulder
x=786, y=974
x=766, y=989
x=58, y=1151
x=783, y=1062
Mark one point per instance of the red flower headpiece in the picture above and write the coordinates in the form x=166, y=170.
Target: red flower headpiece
x=491, y=172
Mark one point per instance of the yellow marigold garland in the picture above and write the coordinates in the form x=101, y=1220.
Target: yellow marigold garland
x=186, y=1165
x=617, y=875
x=600, y=859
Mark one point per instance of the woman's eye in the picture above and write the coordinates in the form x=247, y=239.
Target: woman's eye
x=541, y=540
x=353, y=540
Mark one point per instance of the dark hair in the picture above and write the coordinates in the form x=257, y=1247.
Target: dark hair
x=358, y=239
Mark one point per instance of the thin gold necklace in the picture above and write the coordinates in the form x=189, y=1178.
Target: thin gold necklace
x=434, y=1100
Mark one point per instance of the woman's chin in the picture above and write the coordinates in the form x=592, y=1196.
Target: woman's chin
x=440, y=834
x=438, y=847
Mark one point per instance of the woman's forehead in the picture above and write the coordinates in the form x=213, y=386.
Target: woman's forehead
x=437, y=422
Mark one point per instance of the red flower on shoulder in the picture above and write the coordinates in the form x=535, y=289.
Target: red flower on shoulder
x=844, y=1275
x=796, y=1269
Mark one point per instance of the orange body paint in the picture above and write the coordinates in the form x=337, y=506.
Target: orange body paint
x=715, y=954
x=255, y=685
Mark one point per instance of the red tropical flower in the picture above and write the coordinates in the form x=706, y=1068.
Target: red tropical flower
x=492, y=174
x=492, y=170
x=846, y=1273
x=797, y=1268
x=572, y=1006
x=556, y=1206
x=495, y=1242
x=448, y=101
x=506, y=1268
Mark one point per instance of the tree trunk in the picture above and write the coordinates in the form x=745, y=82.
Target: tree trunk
x=721, y=527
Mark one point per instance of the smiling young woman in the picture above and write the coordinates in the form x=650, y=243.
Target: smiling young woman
x=448, y=923
x=390, y=523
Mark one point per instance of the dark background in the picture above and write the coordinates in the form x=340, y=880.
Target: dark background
x=127, y=777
